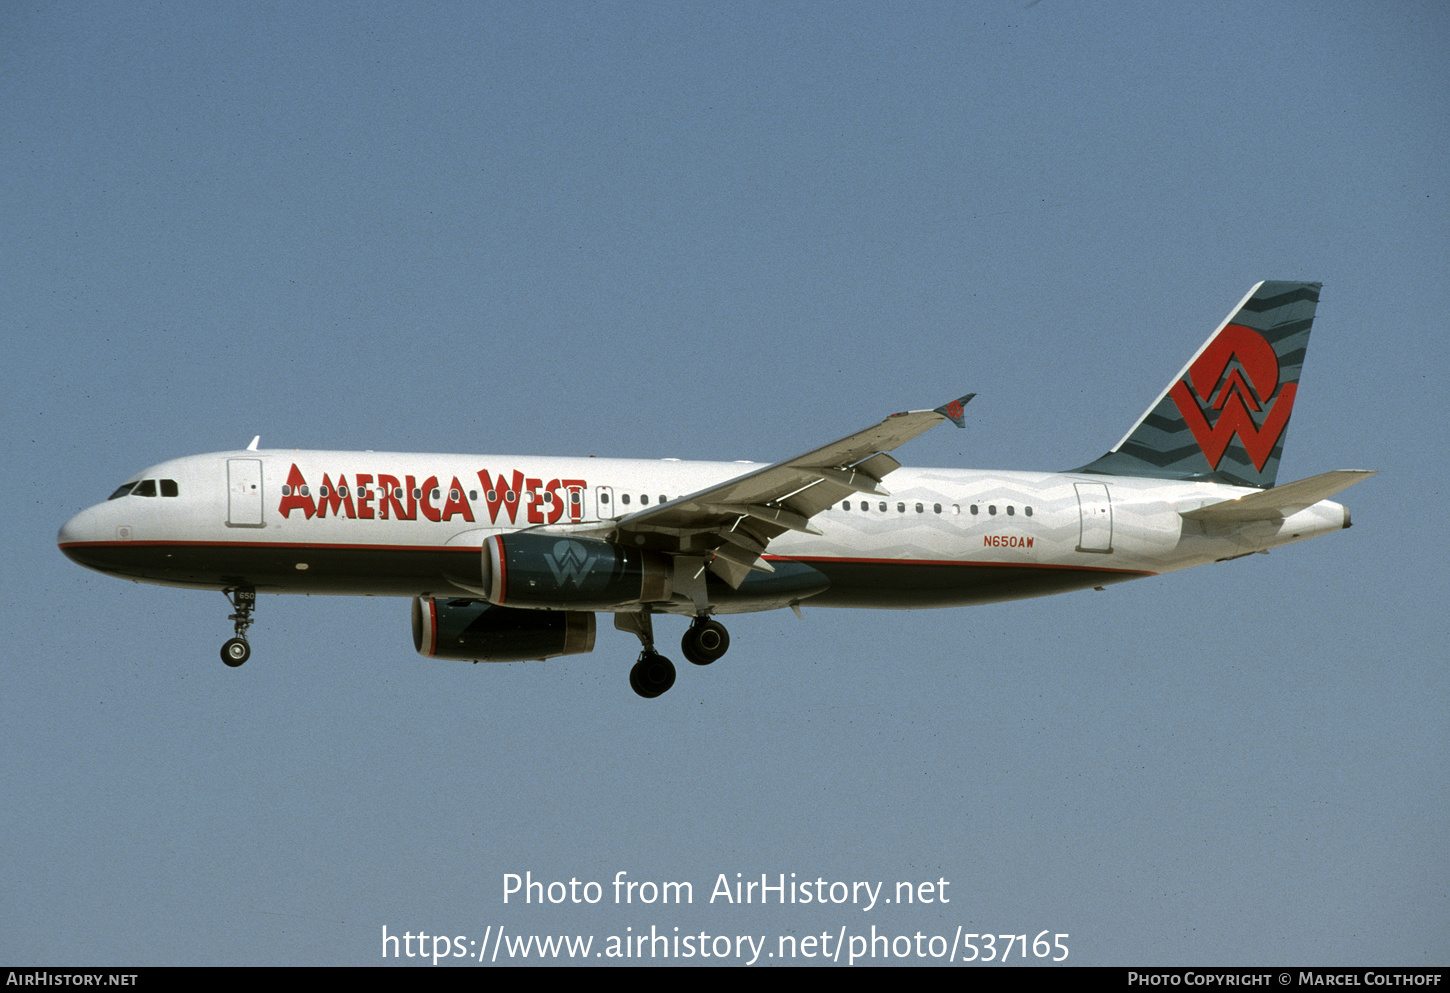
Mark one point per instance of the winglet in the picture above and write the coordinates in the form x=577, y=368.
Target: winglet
x=953, y=411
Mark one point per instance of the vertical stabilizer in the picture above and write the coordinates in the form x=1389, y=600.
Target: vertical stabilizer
x=1225, y=415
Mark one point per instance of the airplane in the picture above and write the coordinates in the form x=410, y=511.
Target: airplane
x=509, y=558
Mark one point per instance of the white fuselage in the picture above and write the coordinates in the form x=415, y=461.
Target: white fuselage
x=400, y=524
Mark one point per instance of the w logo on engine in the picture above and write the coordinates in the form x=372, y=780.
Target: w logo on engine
x=1236, y=375
x=570, y=561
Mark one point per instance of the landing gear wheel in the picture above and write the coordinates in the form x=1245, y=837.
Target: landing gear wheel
x=705, y=641
x=243, y=601
x=235, y=652
x=651, y=675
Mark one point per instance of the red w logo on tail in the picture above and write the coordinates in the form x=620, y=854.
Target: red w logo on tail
x=1233, y=392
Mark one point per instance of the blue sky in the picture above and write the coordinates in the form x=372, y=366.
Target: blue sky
x=723, y=232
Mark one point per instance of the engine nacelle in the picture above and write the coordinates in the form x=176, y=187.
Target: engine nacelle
x=482, y=632
x=563, y=573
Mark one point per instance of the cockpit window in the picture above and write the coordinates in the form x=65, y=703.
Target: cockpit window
x=146, y=488
x=168, y=488
x=122, y=490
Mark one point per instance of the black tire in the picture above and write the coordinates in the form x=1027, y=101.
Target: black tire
x=652, y=675
x=705, y=642
x=236, y=651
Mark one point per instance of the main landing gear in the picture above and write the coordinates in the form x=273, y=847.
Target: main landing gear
x=653, y=674
x=236, y=651
x=705, y=641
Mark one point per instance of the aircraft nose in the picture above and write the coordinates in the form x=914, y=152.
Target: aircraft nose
x=68, y=533
x=77, y=533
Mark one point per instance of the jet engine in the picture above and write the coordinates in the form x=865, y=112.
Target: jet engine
x=482, y=632
x=564, y=573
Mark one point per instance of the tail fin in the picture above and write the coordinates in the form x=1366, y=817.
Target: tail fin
x=1224, y=416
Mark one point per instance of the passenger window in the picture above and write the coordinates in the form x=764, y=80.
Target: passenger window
x=901, y=508
x=974, y=510
x=883, y=506
x=1010, y=510
x=919, y=508
x=936, y=507
x=624, y=498
x=846, y=505
x=992, y=509
x=644, y=499
x=147, y=487
x=1027, y=511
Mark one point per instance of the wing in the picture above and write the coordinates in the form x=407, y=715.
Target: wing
x=729, y=525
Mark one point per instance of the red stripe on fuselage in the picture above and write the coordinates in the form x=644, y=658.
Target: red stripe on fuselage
x=973, y=563
x=503, y=577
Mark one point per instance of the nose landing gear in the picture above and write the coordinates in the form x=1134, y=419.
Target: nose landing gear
x=236, y=650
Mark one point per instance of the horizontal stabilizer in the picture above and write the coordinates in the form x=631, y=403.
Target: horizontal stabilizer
x=1281, y=501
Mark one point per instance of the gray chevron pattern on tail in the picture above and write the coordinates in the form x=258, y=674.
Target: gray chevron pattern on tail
x=1224, y=417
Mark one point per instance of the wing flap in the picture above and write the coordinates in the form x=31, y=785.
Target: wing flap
x=766, y=502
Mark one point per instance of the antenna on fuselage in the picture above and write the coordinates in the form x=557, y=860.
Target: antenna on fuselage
x=253, y=446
